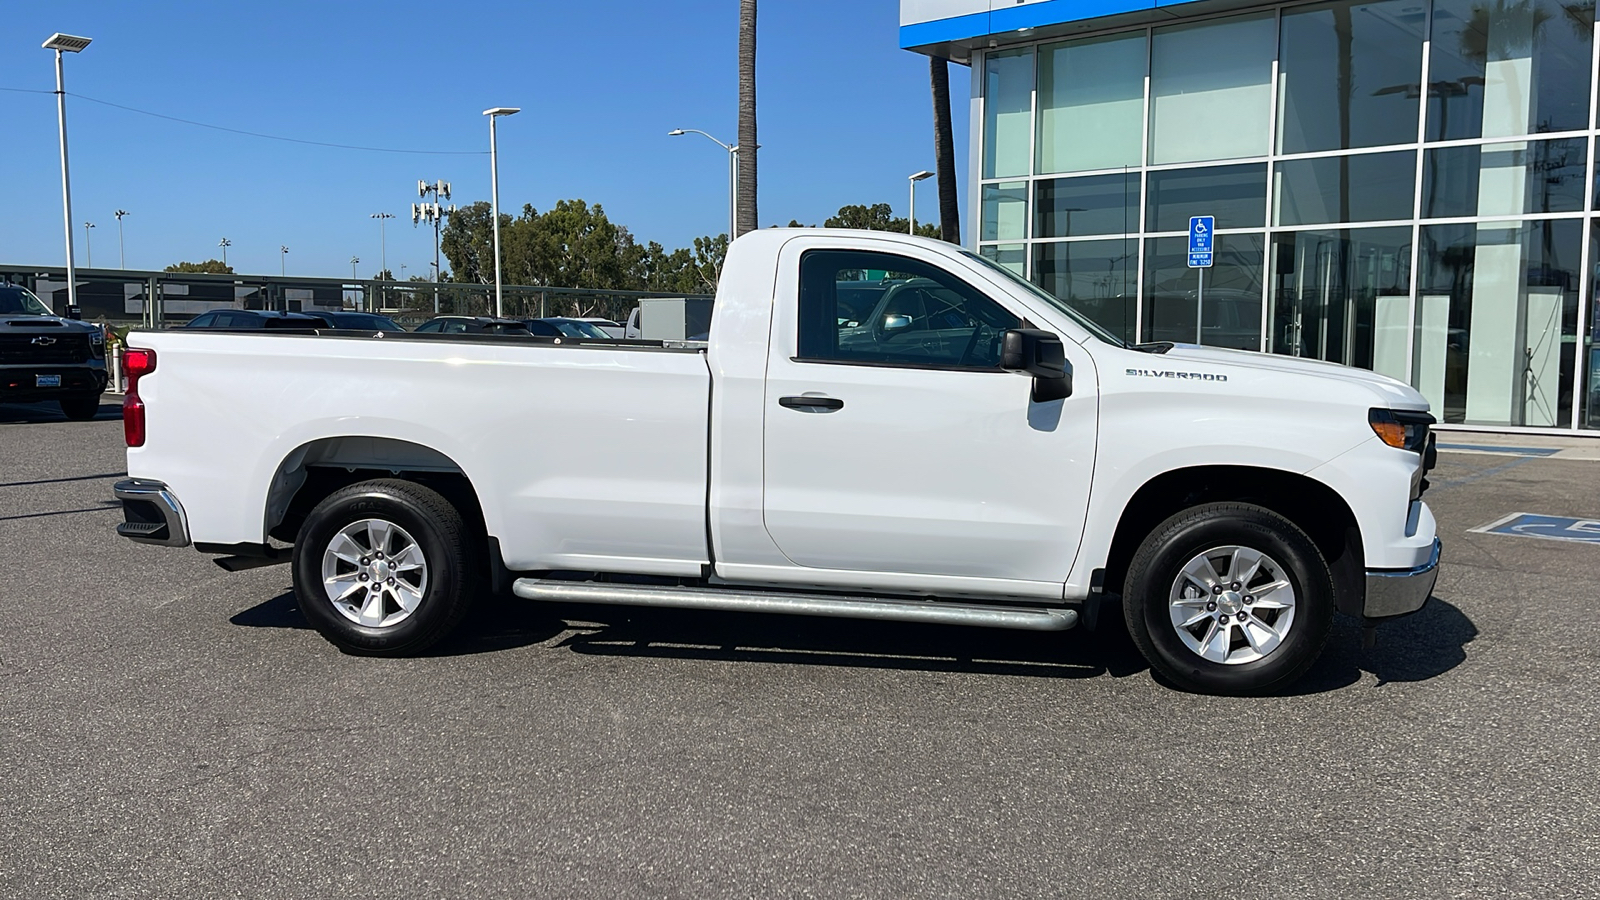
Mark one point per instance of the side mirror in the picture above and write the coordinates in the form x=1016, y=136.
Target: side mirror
x=896, y=323
x=1041, y=354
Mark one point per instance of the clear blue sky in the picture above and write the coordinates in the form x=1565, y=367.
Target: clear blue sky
x=845, y=116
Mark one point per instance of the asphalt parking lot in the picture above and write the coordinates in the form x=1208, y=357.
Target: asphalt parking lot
x=168, y=729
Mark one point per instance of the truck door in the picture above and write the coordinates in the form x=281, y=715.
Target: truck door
x=895, y=444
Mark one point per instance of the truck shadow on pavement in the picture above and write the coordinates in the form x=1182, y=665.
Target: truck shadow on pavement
x=38, y=413
x=1417, y=648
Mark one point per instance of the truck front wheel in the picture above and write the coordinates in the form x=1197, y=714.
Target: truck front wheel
x=384, y=567
x=1229, y=598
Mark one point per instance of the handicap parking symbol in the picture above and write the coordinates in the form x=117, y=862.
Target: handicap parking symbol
x=1550, y=528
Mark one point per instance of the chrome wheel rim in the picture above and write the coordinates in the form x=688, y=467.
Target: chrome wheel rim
x=374, y=573
x=1232, y=605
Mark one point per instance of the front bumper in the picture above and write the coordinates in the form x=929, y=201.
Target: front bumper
x=151, y=513
x=20, y=384
x=1396, y=592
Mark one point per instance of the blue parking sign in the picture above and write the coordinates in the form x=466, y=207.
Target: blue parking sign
x=1201, y=241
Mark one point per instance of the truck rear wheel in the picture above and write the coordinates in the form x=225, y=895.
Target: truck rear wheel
x=385, y=567
x=1229, y=598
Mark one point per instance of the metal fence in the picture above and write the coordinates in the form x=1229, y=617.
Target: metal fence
x=120, y=297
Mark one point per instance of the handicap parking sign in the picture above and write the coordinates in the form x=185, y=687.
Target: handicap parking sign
x=1201, y=241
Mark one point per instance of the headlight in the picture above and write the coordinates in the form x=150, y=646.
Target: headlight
x=1400, y=428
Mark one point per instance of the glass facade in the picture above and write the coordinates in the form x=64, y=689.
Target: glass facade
x=1408, y=186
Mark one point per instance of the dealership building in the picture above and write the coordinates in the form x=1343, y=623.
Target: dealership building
x=1407, y=185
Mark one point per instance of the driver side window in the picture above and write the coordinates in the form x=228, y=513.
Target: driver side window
x=878, y=308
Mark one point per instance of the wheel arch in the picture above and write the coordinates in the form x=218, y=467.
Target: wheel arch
x=1312, y=505
x=314, y=470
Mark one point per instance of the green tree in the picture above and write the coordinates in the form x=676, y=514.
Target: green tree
x=877, y=217
x=209, y=267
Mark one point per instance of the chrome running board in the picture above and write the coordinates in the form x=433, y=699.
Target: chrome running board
x=942, y=612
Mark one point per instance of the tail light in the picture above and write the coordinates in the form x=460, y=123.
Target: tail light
x=137, y=363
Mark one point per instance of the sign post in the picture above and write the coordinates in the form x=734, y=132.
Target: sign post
x=1202, y=245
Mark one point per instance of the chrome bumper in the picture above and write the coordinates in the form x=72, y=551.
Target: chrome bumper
x=152, y=515
x=1395, y=592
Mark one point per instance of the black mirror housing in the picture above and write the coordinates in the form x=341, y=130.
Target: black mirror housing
x=1033, y=351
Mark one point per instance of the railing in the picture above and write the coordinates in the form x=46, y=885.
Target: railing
x=121, y=297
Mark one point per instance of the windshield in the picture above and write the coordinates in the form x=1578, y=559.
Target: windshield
x=1088, y=324
x=574, y=328
x=19, y=301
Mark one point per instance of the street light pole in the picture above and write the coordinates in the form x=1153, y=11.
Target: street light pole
x=383, y=240
x=122, y=254
x=383, y=248
x=224, y=244
x=733, y=174
x=912, y=216
x=283, y=254
x=66, y=43
x=88, y=249
x=494, y=199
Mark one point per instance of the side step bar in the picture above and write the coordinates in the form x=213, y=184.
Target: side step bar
x=943, y=612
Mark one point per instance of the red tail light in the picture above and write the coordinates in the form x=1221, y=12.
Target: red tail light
x=137, y=363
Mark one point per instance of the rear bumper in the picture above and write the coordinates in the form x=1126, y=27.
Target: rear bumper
x=151, y=513
x=1396, y=592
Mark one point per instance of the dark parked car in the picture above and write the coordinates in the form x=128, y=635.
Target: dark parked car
x=256, y=318
x=556, y=326
x=471, y=325
x=361, y=321
x=45, y=357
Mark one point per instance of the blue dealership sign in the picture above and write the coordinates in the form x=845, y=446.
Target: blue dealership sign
x=1201, y=241
x=1550, y=528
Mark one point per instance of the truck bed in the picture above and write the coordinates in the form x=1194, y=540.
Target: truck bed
x=619, y=484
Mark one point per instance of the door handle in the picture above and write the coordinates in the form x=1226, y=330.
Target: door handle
x=812, y=404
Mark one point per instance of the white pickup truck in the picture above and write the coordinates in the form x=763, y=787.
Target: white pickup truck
x=879, y=427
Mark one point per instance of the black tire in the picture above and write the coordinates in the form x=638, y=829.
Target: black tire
x=449, y=548
x=80, y=407
x=1155, y=571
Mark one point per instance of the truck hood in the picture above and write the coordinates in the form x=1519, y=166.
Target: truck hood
x=1391, y=392
x=44, y=324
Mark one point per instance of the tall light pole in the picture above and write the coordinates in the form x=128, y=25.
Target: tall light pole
x=383, y=247
x=494, y=199
x=122, y=254
x=283, y=254
x=916, y=177
x=383, y=240
x=66, y=43
x=88, y=250
x=224, y=244
x=354, y=261
x=733, y=174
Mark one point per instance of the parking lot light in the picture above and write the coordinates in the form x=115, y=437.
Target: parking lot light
x=66, y=43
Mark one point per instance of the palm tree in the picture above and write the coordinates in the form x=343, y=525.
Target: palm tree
x=747, y=117
x=944, y=156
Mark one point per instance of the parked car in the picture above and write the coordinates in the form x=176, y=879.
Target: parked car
x=556, y=326
x=471, y=325
x=611, y=327
x=46, y=357
x=257, y=318
x=984, y=455
x=361, y=321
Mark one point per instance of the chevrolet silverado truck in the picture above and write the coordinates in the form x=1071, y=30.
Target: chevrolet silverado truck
x=972, y=451
x=44, y=357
